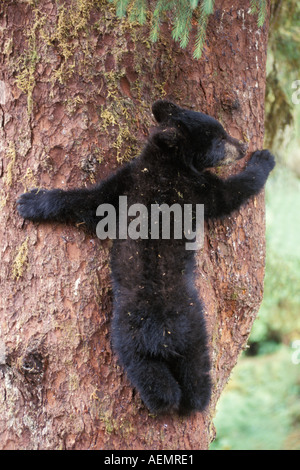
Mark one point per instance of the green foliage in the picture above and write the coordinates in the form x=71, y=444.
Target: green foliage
x=205, y=11
x=279, y=314
x=182, y=13
x=138, y=12
x=260, y=408
x=282, y=70
x=259, y=7
x=284, y=38
x=182, y=23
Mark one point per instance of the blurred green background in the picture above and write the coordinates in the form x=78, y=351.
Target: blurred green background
x=260, y=407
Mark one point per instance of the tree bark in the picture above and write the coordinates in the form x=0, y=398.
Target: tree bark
x=76, y=88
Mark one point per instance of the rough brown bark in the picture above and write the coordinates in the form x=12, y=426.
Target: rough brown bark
x=76, y=87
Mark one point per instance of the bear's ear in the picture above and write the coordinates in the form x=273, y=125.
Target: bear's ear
x=172, y=135
x=164, y=110
x=166, y=138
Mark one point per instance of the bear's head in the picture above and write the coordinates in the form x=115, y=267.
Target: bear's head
x=196, y=137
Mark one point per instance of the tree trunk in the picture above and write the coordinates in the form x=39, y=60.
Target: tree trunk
x=76, y=88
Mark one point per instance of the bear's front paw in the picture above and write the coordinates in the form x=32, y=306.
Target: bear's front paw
x=262, y=158
x=30, y=205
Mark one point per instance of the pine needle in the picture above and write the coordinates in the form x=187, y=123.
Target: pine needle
x=182, y=13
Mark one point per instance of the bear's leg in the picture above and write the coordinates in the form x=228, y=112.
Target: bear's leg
x=193, y=374
x=74, y=206
x=157, y=387
x=56, y=205
x=228, y=195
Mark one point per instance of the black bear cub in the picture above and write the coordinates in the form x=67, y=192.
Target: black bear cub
x=158, y=326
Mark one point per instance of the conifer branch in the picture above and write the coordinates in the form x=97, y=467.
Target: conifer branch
x=182, y=13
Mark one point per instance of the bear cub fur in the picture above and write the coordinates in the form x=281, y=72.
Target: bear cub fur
x=158, y=326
